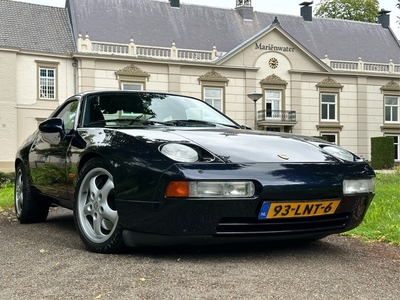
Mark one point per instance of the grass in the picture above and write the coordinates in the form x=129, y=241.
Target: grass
x=382, y=222
x=6, y=196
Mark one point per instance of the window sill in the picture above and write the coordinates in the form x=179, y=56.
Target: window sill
x=391, y=128
x=329, y=126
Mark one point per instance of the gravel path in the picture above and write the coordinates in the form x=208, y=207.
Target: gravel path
x=48, y=261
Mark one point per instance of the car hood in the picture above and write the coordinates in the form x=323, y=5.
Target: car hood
x=240, y=146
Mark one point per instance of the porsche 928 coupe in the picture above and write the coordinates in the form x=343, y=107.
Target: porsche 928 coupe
x=144, y=169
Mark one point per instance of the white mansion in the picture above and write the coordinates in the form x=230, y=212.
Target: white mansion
x=318, y=77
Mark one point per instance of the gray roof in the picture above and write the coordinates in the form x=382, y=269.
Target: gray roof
x=35, y=27
x=156, y=23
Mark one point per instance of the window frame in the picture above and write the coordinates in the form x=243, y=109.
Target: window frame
x=336, y=107
x=334, y=134
x=47, y=65
x=391, y=111
x=396, y=145
x=222, y=90
x=141, y=84
x=266, y=100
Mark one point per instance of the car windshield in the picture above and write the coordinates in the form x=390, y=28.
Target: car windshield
x=137, y=109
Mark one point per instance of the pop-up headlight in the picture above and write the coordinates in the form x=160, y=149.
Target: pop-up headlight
x=180, y=152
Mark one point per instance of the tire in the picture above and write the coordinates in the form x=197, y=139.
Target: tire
x=29, y=208
x=95, y=213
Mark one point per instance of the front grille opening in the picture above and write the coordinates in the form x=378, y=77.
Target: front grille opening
x=255, y=227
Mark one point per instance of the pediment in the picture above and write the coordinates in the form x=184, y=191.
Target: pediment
x=391, y=86
x=132, y=70
x=273, y=79
x=213, y=76
x=273, y=39
x=329, y=83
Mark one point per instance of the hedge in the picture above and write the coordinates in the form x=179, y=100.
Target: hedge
x=382, y=152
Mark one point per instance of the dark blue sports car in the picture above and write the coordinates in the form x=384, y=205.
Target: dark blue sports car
x=140, y=168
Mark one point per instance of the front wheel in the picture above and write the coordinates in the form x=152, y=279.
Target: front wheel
x=95, y=212
x=29, y=208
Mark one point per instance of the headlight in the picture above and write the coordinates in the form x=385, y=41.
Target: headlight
x=179, y=152
x=210, y=189
x=340, y=153
x=358, y=186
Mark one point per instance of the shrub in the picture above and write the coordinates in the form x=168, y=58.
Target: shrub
x=382, y=152
x=6, y=178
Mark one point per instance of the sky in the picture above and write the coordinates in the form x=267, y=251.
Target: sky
x=290, y=7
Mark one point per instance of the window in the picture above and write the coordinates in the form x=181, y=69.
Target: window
x=328, y=107
x=273, y=104
x=68, y=114
x=47, y=79
x=213, y=96
x=47, y=83
x=392, y=109
x=132, y=86
x=396, y=139
x=330, y=137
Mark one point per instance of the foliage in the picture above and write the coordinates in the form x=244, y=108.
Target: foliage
x=398, y=6
x=6, y=196
x=382, y=221
x=6, y=178
x=382, y=152
x=357, y=10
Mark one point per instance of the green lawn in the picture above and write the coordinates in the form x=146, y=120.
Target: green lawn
x=6, y=196
x=382, y=222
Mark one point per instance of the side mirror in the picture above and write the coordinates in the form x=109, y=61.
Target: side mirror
x=245, y=127
x=54, y=125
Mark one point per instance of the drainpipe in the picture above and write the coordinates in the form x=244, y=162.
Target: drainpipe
x=75, y=65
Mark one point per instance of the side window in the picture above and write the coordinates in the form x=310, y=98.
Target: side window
x=396, y=141
x=132, y=86
x=392, y=109
x=68, y=115
x=330, y=137
x=328, y=107
x=47, y=73
x=214, y=96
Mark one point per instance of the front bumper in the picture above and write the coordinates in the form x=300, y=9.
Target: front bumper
x=169, y=221
x=205, y=223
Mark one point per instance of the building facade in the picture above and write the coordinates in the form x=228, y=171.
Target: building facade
x=317, y=77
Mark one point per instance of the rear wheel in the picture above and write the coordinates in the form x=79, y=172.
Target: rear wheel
x=95, y=212
x=29, y=208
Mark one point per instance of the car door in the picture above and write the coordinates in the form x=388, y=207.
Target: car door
x=49, y=155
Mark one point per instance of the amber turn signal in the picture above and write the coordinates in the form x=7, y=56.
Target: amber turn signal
x=177, y=189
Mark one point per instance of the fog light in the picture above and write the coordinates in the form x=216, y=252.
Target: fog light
x=211, y=189
x=358, y=186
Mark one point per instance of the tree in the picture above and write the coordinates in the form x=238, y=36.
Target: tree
x=357, y=10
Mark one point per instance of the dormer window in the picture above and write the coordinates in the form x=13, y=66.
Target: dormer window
x=240, y=3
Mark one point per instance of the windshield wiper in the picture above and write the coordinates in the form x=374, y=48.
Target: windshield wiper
x=187, y=122
x=192, y=121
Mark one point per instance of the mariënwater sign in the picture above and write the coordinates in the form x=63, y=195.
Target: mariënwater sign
x=271, y=47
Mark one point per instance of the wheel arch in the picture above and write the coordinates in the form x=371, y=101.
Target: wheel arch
x=85, y=158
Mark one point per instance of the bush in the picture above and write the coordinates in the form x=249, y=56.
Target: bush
x=382, y=152
x=6, y=178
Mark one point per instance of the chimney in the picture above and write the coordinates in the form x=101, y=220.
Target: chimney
x=384, y=18
x=244, y=8
x=175, y=3
x=306, y=11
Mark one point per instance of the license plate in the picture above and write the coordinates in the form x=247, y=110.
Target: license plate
x=272, y=210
